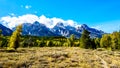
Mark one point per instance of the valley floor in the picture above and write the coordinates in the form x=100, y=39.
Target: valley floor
x=59, y=57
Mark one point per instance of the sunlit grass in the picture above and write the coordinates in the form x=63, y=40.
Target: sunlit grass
x=59, y=57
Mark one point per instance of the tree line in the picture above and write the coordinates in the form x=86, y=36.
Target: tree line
x=107, y=41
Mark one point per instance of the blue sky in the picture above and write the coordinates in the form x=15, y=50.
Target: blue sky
x=101, y=14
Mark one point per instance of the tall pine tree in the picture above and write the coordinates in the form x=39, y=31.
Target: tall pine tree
x=85, y=41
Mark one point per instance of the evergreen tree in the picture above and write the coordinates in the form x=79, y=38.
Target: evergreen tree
x=15, y=39
x=93, y=45
x=85, y=40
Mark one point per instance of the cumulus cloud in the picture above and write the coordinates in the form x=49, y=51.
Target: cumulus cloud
x=12, y=21
x=51, y=22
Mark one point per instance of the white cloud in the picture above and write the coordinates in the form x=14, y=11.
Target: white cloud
x=11, y=21
x=14, y=21
x=28, y=6
x=46, y=21
x=51, y=22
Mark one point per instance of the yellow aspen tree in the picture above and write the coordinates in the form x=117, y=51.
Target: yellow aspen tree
x=15, y=39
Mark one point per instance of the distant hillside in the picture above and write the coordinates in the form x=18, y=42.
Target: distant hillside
x=5, y=31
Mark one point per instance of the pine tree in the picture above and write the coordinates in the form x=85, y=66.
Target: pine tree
x=85, y=40
x=15, y=39
x=92, y=44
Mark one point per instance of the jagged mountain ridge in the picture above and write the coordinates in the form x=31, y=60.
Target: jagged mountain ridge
x=38, y=29
x=66, y=31
x=93, y=32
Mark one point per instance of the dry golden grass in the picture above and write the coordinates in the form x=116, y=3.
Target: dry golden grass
x=59, y=57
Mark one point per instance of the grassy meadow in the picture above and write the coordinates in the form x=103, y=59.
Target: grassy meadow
x=59, y=57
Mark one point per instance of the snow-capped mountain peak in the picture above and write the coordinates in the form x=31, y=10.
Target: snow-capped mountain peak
x=39, y=29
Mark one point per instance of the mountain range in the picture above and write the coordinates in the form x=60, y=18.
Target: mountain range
x=38, y=29
x=66, y=31
x=5, y=31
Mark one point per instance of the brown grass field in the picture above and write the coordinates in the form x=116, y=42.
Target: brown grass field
x=59, y=57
